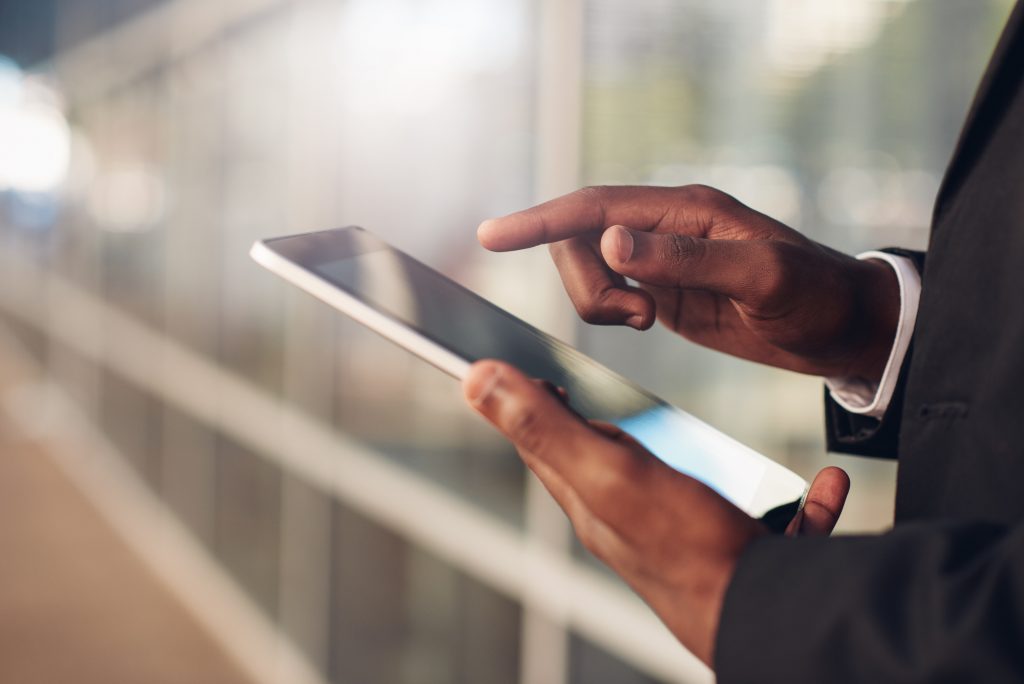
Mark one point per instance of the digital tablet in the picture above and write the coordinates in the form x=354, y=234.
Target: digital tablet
x=442, y=322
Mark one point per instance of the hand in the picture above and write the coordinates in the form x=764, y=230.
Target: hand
x=674, y=540
x=714, y=271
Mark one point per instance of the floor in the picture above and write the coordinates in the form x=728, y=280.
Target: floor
x=75, y=604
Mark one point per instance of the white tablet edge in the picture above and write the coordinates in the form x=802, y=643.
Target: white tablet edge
x=774, y=479
x=331, y=294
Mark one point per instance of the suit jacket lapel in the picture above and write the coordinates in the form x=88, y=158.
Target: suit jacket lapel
x=996, y=90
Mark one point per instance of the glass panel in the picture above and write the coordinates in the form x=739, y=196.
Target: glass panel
x=254, y=146
x=128, y=202
x=307, y=514
x=591, y=664
x=188, y=472
x=33, y=340
x=401, y=616
x=431, y=131
x=131, y=418
x=248, y=515
x=194, y=163
x=429, y=430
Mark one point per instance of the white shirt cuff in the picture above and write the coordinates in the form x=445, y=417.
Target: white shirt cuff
x=857, y=395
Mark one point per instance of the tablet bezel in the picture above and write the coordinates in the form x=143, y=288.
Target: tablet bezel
x=294, y=256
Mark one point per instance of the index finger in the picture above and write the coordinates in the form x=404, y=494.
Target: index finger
x=583, y=211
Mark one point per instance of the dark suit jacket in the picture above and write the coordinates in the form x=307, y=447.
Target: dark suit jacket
x=941, y=597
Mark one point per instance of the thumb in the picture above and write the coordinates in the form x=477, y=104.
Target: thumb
x=744, y=270
x=534, y=419
x=823, y=504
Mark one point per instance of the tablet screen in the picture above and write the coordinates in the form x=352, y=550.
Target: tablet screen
x=440, y=310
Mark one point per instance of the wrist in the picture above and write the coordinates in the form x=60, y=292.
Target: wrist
x=703, y=593
x=878, y=310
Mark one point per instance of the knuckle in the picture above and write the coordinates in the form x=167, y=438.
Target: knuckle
x=621, y=475
x=586, y=532
x=707, y=197
x=594, y=193
x=523, y=427
x=680, y=249
x=700, y=194
x=597, y=198
x=589, y=310
x=600, y=306
x=635, y=468
x=609, y=485
x=560, y=254
x=771, y=279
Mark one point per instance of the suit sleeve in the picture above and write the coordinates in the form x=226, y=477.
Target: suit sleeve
x=924, y=603
x=850, y=433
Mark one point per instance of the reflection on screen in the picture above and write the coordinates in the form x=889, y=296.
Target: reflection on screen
x=473, y=329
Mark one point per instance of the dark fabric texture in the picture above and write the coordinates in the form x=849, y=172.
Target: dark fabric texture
x=928, y=602
x=941, y=597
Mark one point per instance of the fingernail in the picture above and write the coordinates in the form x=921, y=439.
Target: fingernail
x=635, y=321
x=623, y=245
x=481, y=384
x=485, y=231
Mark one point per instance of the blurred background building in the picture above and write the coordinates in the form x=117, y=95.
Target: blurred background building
x=320, y=502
